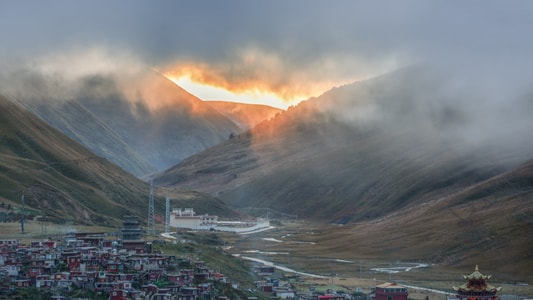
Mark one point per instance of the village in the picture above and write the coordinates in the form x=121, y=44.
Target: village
x=95, y=265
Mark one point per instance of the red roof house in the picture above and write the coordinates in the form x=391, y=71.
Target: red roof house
x=391, y=291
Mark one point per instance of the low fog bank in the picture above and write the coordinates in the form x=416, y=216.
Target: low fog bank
x=56, y=81
x=365, y=149
x=433, y=106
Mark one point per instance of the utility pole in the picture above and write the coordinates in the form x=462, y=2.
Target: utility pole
x=150, y=226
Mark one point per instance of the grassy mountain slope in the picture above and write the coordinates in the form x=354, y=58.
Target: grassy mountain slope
x=139, y=120
x=488, y=224
x=67, y=182
x=357, y=152
x=76, y=121
x=410, y=168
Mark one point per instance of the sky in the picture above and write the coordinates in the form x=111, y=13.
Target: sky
x=269, y=52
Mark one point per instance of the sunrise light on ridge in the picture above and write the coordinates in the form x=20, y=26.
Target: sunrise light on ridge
x=256, y=77
x=208, y=92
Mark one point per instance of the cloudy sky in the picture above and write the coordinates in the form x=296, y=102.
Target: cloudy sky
x=289, y=50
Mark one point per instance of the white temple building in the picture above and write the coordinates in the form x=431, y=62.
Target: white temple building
x=187, y=218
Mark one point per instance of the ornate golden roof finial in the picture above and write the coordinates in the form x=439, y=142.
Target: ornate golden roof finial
x=477, y=269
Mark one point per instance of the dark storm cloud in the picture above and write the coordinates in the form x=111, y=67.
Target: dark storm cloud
x=162, y=30
x=350, y=37
x=484, y=48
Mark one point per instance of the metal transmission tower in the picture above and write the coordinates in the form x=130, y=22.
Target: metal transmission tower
x=150, y=226
x=167, y=215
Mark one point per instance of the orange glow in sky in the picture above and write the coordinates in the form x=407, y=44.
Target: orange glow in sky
x=257, y=78
x=252, y=96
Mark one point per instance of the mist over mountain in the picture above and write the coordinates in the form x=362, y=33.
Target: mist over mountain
x=246, y=116
x=422, y=164
x=137, y=119
x=366, y=149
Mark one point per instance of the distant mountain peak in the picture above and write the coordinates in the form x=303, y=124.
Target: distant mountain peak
x=245, y=115
x=140, y=120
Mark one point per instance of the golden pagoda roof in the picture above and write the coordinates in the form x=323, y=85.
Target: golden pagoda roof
x=477, y=275
x=466, y=287
x=476, y=283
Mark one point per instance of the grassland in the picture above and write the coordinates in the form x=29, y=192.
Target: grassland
x=300, y=246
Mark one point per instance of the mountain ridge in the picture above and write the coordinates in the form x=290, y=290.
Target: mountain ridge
x=318, y=148
x=389, y=169
x=245, y=115
x=140, y=120
x=67, y=182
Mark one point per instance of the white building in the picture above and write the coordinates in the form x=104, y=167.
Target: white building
x=187, y=218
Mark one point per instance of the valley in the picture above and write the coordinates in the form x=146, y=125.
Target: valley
x=377, y=193
x=293, y=248
x=381, y=142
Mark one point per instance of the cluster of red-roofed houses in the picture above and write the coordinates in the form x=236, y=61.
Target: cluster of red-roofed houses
x=129, y=269
x=121, y=270
x=91, y=262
